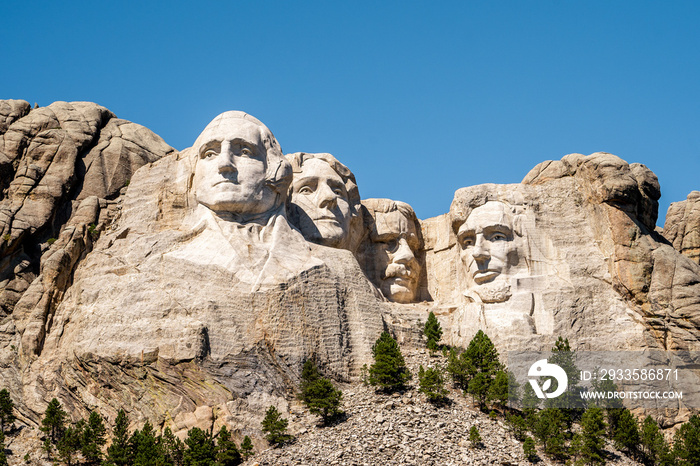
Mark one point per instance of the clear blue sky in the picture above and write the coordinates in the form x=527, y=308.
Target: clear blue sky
x=417, y=98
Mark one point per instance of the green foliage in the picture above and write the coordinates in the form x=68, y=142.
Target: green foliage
x=3, y=455
x=460, y=368
x=54, y=422
x=652, y=441
x=389, y=371
x=118, y=453
x=319, y=394
x=687, y=442
x=529, y=450
x=172, y=447
x=566, y=359
x=592, y=437
x=479, y=388
x=247, y=448
x=549, y=427
x=432, y=384
x=50, y=241
x=227, y=453
x=93, y=232
x=145, y=448
x=7, y=410
x=94, y=438
x=625, y=434
x=432, y=331
x=517, y=426
x=483, y=354
x=474, y=437
x=499, y=389
x=71, y=442
x=6, y=237
x=275, y=426
x=201, y=450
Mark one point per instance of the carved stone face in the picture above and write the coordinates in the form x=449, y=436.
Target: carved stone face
x=319, y=201
x=394, y=244
x=231, y=166
x=488, y=251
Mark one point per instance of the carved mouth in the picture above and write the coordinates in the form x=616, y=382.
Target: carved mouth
x=484, y=276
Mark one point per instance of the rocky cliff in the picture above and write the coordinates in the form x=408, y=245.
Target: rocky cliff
x=172, y=284
x=682, y=227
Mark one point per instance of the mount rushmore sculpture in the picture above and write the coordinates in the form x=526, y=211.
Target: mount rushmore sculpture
x=189, y=286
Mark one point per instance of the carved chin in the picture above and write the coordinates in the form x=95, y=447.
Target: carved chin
x=494, y=292
x=398, y=292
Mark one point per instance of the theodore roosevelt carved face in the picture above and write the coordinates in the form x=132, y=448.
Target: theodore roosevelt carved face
x=323, y=199
x=488, y=251
x=390, y=255
x=239, y=166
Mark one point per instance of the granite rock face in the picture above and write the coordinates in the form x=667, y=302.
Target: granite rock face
x=682, y=227
x=193, y=296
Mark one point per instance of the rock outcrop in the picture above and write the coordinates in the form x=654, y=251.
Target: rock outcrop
x=682, y=227
x=189, y=298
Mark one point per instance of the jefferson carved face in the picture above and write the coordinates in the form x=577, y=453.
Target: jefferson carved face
x=488, y=251
x=320, y=204
x=394, y=244
x=231, y=166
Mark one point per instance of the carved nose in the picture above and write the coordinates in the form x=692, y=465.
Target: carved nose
x=480, y=250
x=225, y=159
x=326, y=197
x=404, y=254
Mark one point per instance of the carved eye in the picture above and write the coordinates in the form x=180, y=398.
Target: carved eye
x=338, y=192
x=467, y=241
x=305, y=190
x=246, y=151
x=209, y=154
x=498, y=237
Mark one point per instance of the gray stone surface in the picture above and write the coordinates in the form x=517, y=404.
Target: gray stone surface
x=682, y=227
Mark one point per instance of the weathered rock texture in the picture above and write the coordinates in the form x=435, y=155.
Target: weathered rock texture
x=190, y=300
x=682, y=227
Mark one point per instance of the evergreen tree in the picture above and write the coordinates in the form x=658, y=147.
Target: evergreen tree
x=432, y=331
x=460, y=368
x=201, y=450
x=145, y=448
x=319, y=394
x=569, y=402
x=483, y=354
x=172, y=447
x=3, y=455
x=7, y=410
x=227, y=453
x=517, y=425
x=549, y=428
x=71, y=442
x=389, y=371
x=54, y=422
x=119, y=453
x=275, y=426
x=592, y=437
x=687, y=444
x=94, y=438
x=652, y=440
x=529, y=450
x=479, y=388
x=499, y=389
x=432, y=384
x=474, y=437
x=247, y=449
x=626, y=433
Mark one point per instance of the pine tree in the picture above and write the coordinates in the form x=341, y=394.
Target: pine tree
x=432, y=331
x=499, y=390
x=687, y=444
x=144, y=446
x=432, y=384
x=247, y=449
x=227, y=453
x=592, y=436
x=652, y=440
x=626, y=433
x=549, y=427
x=460, y=368
x=54, y=422
x=3, y=455
x=474, y=437
x=483, y=354
x=201, y=450
x=517, y=425
x=389, y=371
x=172, y=448
x=7, y=410
x=94, y=438
x=118, y=453
x=275, y=426
x=319, y=394
x=569, y=402
x=71, y=442
x=479, y=388
x=529, y=450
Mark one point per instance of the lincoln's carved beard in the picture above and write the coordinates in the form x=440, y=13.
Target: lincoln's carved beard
x=495, y=292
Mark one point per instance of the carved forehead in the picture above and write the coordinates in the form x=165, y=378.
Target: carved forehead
x=233, y=125
x=393, y=222
x=492, y=214
x=316, y=168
